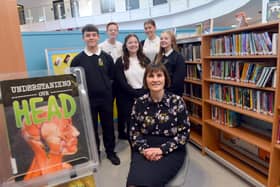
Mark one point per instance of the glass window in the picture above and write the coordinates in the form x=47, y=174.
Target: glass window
x=107, y=6
x=159, y=2
x=58, y=9
x=132, y=4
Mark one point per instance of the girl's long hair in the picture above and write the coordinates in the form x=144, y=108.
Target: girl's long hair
x=140, y=55
x=174, y=46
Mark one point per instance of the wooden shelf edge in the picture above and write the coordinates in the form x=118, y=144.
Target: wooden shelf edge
x=241, y=169
x=245, y=135
x=194, y=136
x=256, y=115
x=195, y=120
x=199, y=82
x=193, y=62
x=193, y=100
x=239, y=84
x=277, y=146
x=243, y=158
x=240, y=57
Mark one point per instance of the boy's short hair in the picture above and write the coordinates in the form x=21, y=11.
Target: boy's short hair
x=90, y=28
x=112, y=23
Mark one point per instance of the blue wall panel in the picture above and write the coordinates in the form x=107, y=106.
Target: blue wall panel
x=35, y=43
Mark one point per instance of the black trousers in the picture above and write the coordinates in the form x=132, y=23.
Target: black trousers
x=124, y=105
x=105, y=111
x=121, y=117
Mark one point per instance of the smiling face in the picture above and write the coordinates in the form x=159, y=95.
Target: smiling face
x=132, y=45
x=155, y=81
x=91, y=39
x=165, y=41
x=150, y=30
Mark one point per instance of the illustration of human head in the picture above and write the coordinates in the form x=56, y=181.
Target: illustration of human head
x=57, y=136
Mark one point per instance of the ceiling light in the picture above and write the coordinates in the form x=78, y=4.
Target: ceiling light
x=233, y=25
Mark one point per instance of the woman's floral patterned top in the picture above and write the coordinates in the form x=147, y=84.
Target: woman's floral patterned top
x=168, y=118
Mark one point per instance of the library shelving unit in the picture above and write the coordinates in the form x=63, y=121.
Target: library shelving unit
x=229, y=91
x=190, y=49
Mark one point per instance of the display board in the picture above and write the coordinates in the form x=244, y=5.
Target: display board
x=59, y=59
x=49, y=128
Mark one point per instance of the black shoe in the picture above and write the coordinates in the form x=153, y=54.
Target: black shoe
x=123, y=136
x=114, y=158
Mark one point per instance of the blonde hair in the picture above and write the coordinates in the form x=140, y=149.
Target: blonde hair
x=173, y=45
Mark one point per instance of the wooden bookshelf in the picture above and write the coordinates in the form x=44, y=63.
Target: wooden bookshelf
x=189, y=45
x=242, y=57
x=193, y=100
x=240, y=84
x=196, y=138
x=195, y=120
x=277, y=146
x=213, y=48
x=243, y=134
x=253, y=114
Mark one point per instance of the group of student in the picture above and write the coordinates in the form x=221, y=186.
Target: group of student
x=147, y=79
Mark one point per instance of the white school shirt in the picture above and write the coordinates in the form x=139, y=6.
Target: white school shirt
x=135, y=73
x=151, y=47
x=114, y=50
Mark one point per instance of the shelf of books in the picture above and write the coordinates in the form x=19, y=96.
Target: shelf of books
x=240, y=96
x=190, y=48
x=46, y=131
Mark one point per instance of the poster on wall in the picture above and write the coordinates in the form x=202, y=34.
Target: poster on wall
x=44, y=123
x=59, y=59
x=270, y=10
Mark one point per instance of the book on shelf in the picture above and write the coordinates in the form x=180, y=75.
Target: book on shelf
x=207, y=26
x=251, y=151
x=274, y=43
x=193, y=91
x=45, y=129
x=194, y=109
x=242, y=44
x=278, y=131
x=246, y=98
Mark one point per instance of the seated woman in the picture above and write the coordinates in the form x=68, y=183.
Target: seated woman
x=159, y=131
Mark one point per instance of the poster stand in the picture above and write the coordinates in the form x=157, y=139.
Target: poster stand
x=47, y=130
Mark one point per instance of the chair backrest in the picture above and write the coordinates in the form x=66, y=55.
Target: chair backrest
x=180, y=179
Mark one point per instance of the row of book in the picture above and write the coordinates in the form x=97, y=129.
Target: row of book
x=246, y=98
x=194, y=71
x=223, y=116
x=192, y=90
x=263, y=74
x=191, y=51
x=250, y=43
x=194, y=109
x=238, y=147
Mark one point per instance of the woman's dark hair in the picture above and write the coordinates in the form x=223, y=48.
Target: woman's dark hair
x=140, y=55
x=153, y=67
x=150, y=21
